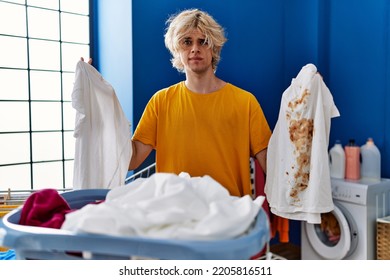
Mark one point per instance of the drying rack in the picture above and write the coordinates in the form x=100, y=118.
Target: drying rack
x=143, y=173
x=13, y=197
x=8, y=203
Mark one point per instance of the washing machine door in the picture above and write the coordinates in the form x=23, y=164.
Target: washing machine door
x=336, y=237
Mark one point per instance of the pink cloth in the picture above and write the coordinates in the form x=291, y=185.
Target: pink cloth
x=44, y=208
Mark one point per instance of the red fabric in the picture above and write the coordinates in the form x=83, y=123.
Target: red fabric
x=44, y=208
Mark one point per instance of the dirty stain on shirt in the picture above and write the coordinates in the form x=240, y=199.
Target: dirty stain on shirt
x=301, y=136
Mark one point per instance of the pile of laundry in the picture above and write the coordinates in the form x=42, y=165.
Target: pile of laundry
x=160, y=206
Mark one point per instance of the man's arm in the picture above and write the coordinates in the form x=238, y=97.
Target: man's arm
x=262, y=159
x=140, y=153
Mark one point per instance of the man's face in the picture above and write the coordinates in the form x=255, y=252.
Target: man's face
x=195, y=53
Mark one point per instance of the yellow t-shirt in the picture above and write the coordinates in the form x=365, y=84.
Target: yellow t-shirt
x=205, y=134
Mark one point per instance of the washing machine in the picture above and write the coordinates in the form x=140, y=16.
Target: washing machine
x=349, y=231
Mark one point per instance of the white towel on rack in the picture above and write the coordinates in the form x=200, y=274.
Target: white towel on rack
x=168, y=206
x=102, y=131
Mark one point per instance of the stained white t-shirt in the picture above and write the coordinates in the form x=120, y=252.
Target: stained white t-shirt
x=298, y=181
x=103, y=149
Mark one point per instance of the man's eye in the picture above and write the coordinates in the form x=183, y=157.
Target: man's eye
x=204, y=42
x=186, y=42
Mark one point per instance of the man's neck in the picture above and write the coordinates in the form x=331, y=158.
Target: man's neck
x=205, y=83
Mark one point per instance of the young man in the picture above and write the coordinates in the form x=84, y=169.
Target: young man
x=203, y=125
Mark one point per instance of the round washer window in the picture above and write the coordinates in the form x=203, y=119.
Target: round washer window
x=332, y=239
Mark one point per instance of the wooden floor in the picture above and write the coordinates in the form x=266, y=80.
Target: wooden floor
x=288, y=251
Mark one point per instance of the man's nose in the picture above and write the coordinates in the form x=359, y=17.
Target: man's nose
x=195, y=48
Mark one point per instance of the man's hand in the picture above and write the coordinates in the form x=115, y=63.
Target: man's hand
x=89, y=60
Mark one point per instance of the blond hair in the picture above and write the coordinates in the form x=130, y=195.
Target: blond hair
x=181, y=23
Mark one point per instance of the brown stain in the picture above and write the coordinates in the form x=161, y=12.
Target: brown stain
x=294, y=104
x=301, y=132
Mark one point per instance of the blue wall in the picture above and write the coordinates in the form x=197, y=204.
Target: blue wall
x=268, y=43
x=111, y=46
x=358, y=71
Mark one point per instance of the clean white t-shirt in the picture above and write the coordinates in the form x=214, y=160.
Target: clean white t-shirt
x=103, y=149
x=298, y=181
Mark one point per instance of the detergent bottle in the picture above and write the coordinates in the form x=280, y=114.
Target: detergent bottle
x=352, y=161
x=337, y=161
x=371, y=161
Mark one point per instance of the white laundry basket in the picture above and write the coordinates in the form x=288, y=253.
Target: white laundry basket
x=46, y=243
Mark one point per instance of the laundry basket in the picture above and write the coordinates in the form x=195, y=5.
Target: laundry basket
x=45, y=243
x=383, y=238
